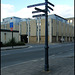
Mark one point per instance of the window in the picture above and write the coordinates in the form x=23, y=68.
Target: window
x=70, y=21
x=3, y=19
x=11, y=18
x=52, y=20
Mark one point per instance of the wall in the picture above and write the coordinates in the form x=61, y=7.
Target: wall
x=43, y=27
x=15, y=27
x=23, y=27
x=33, y=28
x=6, y=36
x=54, y=27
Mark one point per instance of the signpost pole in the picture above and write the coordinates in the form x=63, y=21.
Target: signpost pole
x=46, y=26
x=11, y=26
x=46, y=37
x=12, y=39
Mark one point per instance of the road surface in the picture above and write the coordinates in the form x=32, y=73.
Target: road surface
x=34, y=52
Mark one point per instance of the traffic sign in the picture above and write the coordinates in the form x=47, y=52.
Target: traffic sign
x=11, y=24
x=11, y=29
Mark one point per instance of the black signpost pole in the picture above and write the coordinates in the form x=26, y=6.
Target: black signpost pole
x=12, y=39
x=45, y=11
x=46, y=37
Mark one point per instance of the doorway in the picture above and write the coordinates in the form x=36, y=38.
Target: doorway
x=24, y=38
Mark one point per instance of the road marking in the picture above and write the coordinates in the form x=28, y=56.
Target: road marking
x=52, y=55
x=34, y=60
x=42, y=59
x=71, y=49
x=30, y=47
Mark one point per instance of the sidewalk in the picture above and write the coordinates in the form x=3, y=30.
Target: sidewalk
x=14, y=47
x=18, y=47
x=26, y=46
x=57, y=66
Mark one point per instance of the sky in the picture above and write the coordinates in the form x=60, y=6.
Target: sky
x=18, y=8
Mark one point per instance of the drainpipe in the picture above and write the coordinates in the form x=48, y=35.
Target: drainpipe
x=28, y=22
x=19, y=32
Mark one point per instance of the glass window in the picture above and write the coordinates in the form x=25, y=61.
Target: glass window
x=70, y=21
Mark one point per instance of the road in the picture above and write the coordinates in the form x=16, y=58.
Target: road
x=34, y=52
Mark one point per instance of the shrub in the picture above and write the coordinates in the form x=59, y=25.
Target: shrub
x=20, y=43
x=13, y=42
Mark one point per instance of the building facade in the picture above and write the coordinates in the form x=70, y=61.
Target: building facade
x=33, y=30
x=58, y=30
x=70, y=21
x=6, y=33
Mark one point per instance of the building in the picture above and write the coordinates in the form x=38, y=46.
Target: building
x=6, y=33
x=6, y=22
x=13, y=19
x=70, y=21
x=33, y=30
x=58, y=29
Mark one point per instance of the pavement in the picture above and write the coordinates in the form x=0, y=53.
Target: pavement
x=18, y=47
x=24, y=46
x=14, y=47
x=58, y=65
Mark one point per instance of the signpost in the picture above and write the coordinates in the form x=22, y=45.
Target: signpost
x=11, y=26
x=45, y=11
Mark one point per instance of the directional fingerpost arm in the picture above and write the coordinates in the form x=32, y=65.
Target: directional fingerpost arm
x=36, y=5
x=38, y=15
x=50, y=8
x=35, y=11
x=51, y=4
x=39, y=10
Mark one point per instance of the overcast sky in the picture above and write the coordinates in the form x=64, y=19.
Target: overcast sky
x=18, y=8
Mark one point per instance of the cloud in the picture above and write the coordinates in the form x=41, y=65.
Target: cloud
x=8, y=10
x=24, y=13
x=64, y=10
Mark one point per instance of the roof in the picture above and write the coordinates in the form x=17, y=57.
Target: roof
x=60, y=17
x=12, y=17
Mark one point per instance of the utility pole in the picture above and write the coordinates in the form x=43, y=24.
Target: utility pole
x=46, y=26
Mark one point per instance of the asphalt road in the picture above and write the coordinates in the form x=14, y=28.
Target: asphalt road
x=12, y=57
